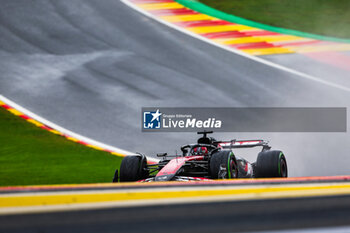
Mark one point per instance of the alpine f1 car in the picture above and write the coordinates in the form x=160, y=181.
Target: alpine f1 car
x=206, y=159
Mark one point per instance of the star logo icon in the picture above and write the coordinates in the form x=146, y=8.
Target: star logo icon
x=152, y=119
x=156, y=115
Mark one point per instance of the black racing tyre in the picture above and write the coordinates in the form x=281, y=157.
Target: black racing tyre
x=271, y=164
x=133, y=168
x=223, y=165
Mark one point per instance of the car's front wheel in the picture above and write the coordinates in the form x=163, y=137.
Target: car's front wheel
x=133, y=168
x=223, y=165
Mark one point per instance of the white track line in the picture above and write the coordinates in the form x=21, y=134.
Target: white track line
x=257, y=59
x=66, y=131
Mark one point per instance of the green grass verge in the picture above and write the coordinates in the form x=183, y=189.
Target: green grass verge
x=323, y=17
x=31, y=156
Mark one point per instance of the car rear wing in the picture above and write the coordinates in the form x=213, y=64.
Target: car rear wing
x=243, y=144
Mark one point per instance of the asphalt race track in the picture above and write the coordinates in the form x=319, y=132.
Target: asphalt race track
x=239, y=213
x=206, y=217
x=90, y=65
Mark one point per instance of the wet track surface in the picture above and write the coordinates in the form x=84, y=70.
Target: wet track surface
x=206, y=217
x=244, y=214
x=90, y=66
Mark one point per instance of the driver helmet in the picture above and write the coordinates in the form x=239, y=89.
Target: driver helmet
x=200, y=150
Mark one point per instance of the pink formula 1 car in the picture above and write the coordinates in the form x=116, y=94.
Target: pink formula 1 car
x=206, y=159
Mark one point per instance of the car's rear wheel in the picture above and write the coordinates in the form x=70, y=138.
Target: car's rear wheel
x=271, y=164
x=223, y=165
x=133, y=168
